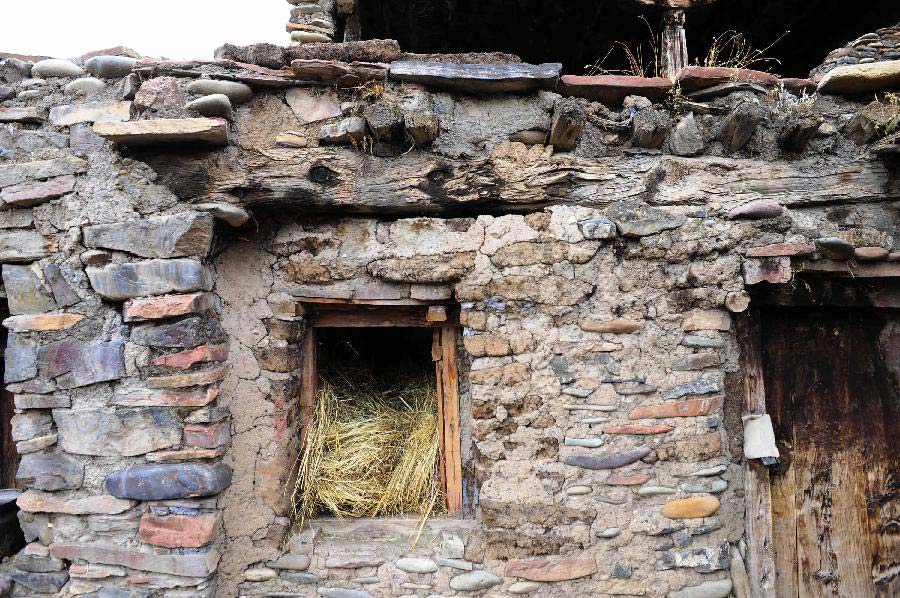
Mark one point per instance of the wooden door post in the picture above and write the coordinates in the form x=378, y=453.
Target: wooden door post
x=673, y=44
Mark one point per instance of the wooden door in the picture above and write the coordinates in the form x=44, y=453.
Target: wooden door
x=832, y=380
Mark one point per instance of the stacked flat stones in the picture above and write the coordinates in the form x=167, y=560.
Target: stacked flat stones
x=311, y=22
x=883, y=44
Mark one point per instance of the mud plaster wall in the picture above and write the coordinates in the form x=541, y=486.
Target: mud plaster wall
x=579, y=320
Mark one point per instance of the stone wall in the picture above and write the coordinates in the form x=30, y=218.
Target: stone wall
x=163, y=223
x=883, y=44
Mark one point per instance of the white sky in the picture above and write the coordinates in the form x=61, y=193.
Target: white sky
x=158, y=28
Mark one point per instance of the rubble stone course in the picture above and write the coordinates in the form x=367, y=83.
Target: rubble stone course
x=597, y=234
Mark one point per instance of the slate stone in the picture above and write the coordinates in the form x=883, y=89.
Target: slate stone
x=201, y=130
x=27, y=195
x=152, y=277
x=634, y=219
x=349, y=130
x=169, y=481
x=183, y=234
x=687, y=139
x=14, y=174
x=598, y=228
x=183, y=565
x=41, y=583
x=13, y=70
x=110, y=67
x=63, y=292
x=75, y=363
x=702, y=342
x=129, y=87
x=24, y=246
x=20, y=359
x=30, y=424
x=342, y=593
x=238, y=93
x=37, y=563
x=55, y=471
x=561, y=368
x=186, y=333
x=216, y=104
x=612, y=461
x=700, y=386
x=56, y=67
x=25, y=292
x=122, y=432
x=478, y=78
x=92, y=112
x=719, y=588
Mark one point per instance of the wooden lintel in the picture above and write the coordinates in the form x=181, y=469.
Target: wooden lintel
x=340, y=316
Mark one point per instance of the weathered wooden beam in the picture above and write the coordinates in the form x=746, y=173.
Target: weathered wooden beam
x=673, y=42
x=228, y=70
x=346, y=180
x=478, y=78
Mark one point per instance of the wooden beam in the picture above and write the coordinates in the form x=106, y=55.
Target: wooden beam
x=758, y=497
x=381, y=317
x=674, y=54
x=309, y=382
x=451, y=425
x=327, y=180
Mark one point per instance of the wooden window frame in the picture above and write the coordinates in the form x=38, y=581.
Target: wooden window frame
x=444, y=321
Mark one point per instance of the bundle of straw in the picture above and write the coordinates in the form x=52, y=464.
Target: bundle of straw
x=370, y=453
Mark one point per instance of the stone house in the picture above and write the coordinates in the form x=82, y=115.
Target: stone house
x=664, y=312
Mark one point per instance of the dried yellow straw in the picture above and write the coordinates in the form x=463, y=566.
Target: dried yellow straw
x=370, y=453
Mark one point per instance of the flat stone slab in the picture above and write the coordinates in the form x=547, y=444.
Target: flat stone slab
x=54, y=471
x=152, y=277
x=478, y=78
x=862, y=78
x=25, y=246
x=689, y=408
x=169, y=481
x=14, y=174
x=165, y=130
x=544, y=570
x=90, y=112
x=612, y=461
x=26, y=195
x=178, y=235
x=75, y=363
x=178, y=531
x=692, y=78
x=33, y=501
x=22, y=115
x=612, y=90
x=123, y=432
x=185, y=565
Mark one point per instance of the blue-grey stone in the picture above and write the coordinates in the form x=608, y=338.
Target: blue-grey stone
x=636, y=219
x=151, y=277
x=701, y=342
x=342, y=593
x=186, y=333
x=621, y=571
x=700, y=386
x=238, y=93
x=299, y=577
x=612, y=461
x=476, y=580
x=50, y=472
x=63, y=292
x=702, y=560
x=120, y=432
x=178, y=235
x=561, y=368
x=169, y=481
x=41, y=583
x=598, y=228
x=836, y=247
x=110, y=67
x=56, y=67
x=24, y=291
x=216, y=104
x=20, y=359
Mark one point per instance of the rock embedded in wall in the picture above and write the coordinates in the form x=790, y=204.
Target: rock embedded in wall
x=183, y=234
x=121, y=432
x=74, y=363
x=184, y=565
x=152, y=277
x=51, y=472
x=166, y=482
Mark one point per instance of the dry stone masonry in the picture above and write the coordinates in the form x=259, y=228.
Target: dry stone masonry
x=164, y=223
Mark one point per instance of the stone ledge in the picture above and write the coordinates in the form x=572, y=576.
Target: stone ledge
x=165, y=130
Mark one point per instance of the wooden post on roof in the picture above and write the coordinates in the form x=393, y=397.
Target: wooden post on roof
x=673, y=44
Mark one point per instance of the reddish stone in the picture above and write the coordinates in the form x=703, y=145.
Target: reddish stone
x=613, y=89
x=41, y=322
x=159, y=94
x=167, y=306
x=27, y=195
x=178, y=531
x=637, y=429
x=184, y=565
x=114, y=51
x=612, y=326
x=543, y=570
x=695, y=507
x=184, y=380
x=798, y=86
x=782, y=249
x=627, y=480
x=33, y=501
x=168, y=398
x=185, y=359
x=692, y=78
x=689, y=408
x=870, y=253
x=757, y=210
x=208, y=437
x=94, y=571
